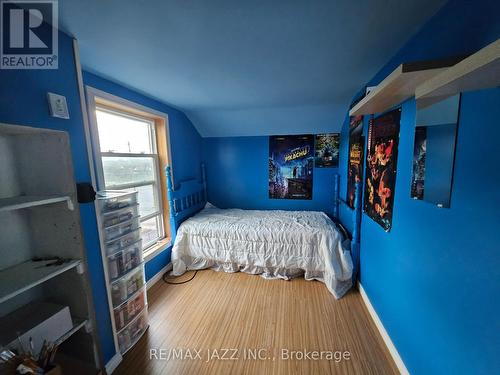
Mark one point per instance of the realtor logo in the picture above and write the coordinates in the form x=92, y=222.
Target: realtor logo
x=29, y=34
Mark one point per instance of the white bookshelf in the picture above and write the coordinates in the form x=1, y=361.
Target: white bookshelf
x=39, y=225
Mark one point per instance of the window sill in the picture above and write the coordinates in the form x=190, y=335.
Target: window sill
x=156, y=249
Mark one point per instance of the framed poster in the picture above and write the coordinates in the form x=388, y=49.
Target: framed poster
x=355, y=157
x=327, y=150
x=291, y=165
x=381, y=166
x=419, y=151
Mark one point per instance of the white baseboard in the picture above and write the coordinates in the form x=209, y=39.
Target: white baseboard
x=152, y=281
x=113, y=363
x=385, y=336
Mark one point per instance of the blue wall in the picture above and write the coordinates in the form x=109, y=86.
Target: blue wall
x=433, y=279
x=23, y=101
x=237, y=175
x=155, y=265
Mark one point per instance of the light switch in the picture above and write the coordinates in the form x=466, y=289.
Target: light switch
x=58, y=105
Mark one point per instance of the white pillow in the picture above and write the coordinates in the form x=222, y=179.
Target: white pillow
x=209, y=205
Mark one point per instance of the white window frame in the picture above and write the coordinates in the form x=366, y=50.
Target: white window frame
x=97, y=99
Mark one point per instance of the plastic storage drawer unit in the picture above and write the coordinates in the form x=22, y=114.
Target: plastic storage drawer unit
x=129, y=335
x=111, y=200
x=114, y=231
x=120, y=216
x=125, y=313
x=123, y=288
x=120, y=243
x=123, y=261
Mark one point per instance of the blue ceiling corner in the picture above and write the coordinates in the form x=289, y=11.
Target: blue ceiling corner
x=245, y=68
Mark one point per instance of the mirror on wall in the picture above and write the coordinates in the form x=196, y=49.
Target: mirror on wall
x=434, y=151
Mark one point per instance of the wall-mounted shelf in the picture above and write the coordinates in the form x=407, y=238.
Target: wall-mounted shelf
x=27, y=201
x=18, y=279
x=478, y=71
x=399, y=85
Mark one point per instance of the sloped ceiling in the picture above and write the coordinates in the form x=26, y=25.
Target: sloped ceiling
x=245, y=67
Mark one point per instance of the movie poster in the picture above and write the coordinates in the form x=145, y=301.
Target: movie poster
x=291, y=162
x=327, y=150
x=418, y=176
x=381, y=164
x=355, y=157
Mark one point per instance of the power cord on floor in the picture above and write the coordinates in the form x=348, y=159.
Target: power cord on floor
x=166, y=279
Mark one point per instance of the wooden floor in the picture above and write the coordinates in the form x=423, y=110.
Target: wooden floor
x=244, y=314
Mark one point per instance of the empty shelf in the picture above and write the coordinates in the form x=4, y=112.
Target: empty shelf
x=479, y=71
x=18, y=279
x=14, y=327
x=399, y=86
x=26, y=201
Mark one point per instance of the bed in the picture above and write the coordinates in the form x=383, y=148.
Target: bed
x=270, y=243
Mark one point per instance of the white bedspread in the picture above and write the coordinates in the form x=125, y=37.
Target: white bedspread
x=274, y=244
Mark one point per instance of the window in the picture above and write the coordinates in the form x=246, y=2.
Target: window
x=130, y=154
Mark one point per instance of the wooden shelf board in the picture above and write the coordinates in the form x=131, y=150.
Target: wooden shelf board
x=27, y=201
x=478, y=71
x=22, y=277
x=394, y=89
x=400, y=85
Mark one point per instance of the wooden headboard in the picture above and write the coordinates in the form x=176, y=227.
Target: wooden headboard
x=186, y=199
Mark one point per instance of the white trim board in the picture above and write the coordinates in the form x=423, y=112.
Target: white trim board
x=385, y=336
x=157, y=249
x=152, y=281
x=93, y=95
x=113, y=363
x=88, y=144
